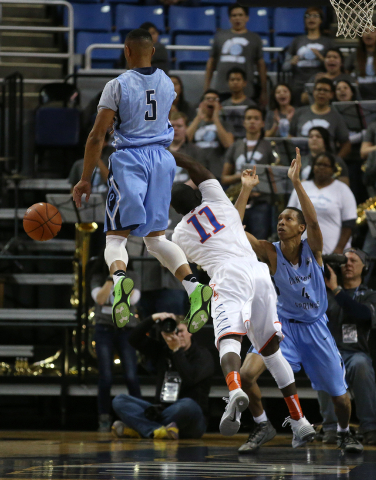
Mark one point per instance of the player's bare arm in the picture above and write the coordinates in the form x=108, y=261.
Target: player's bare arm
x=197, y=172
x=93, y=152
x=314, y=235
x=249, y=180
x=265, y=251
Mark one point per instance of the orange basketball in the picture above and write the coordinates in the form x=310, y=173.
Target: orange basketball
x=42, y=221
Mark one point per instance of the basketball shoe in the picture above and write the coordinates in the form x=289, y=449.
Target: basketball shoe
x=120, y=430
x=199, y=311
x=121, y=307
x=347, y=442
x=302, y=430
x=170, y=432
x=236, y=404
x=262, y=432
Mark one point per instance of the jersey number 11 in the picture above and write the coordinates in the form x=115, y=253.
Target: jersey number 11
x=200, y=229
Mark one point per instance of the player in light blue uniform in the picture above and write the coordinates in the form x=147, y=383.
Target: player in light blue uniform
x=141, y=173
x=297, y=270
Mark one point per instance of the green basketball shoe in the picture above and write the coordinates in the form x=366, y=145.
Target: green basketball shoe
x=199, y=312
x=121, y=307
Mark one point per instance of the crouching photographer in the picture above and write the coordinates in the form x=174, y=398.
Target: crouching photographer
x=184, y=370
x=352, y=315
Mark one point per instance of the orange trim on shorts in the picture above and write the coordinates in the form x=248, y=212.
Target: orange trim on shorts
x=270, y=339
x=231, y=333
x=278, y=322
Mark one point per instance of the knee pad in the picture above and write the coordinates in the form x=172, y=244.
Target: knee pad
x=168, y=253
x=229, y=345
x=280, y=369
x=115, y=249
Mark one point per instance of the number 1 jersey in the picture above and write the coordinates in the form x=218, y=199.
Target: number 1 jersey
x=212, y=233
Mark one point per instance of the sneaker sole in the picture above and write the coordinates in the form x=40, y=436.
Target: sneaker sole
x=120, y=319
x=200, y=317
x=249, y=449
x=228, y=426
x=308, y=435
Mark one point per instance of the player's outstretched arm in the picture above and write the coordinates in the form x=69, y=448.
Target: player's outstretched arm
x=249, y=180
x=314, y=235
x=197, y=172
x=264, y=250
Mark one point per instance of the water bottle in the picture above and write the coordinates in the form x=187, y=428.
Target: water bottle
x=284, y=127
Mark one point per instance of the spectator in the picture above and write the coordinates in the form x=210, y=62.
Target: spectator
x=184, y=412
x=320, y=113
x=108, y=338
x=237, y=47
x=180, y=104
x=351, y=313
x=245, y=152
x=344, y=92
x=362, y=63
x=209, y=133
x=319, y=142
x=369, y=142
x=277, y=122
x=304, y=56
x=334, y=203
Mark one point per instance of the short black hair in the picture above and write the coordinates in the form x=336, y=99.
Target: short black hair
x=327, y=81
x=351, y=86
x=236, y=70
x=236, y=5
x=254, y=107
x=138, y=34
x=147, y=25
x=300, y=216
x=210, y=90
x=331, y=159
x=184, y=198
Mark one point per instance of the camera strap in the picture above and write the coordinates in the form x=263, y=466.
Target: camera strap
x=349, y=330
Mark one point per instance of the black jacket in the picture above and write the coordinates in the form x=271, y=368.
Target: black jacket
x=195, y=366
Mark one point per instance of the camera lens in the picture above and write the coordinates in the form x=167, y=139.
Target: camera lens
x=168, y=325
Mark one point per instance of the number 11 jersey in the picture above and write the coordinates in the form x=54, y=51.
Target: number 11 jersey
x=212, y=234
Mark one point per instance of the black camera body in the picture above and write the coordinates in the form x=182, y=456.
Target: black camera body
x=168, y=325
x=336, y=261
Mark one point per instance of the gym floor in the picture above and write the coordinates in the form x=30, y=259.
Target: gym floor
x=92, y=456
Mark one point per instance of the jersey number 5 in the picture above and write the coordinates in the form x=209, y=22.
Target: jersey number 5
x=200, y=229
x=153, y=103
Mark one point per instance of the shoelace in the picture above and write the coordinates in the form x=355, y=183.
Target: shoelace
x=255, y=432
x=286, y=422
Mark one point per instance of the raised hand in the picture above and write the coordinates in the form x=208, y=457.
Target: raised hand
x=296, y=165
x=249, y=178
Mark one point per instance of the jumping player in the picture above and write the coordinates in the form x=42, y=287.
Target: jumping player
x=141, y=175
x=244, y=301
x=298, y=274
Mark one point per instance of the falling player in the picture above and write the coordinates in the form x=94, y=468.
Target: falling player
x=298, y=274
x=141, y=173
x=244, y=301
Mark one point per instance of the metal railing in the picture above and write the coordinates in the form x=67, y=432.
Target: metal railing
x=69, y=29
x=120, y=46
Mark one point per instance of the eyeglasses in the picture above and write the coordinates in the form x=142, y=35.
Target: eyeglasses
x=323, y=90
x=312, y=15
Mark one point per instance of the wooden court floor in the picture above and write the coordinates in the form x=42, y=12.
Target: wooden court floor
x=95, y=456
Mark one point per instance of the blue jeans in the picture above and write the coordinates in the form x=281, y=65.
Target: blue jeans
x=258, y=220
x=186, y=413
x=360, y=377
x=107, y=338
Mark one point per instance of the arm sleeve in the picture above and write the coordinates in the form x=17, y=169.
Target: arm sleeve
x=141, y=342
x=348, y=208
x=212, y=191
x=111, y=96
x=191, y=372
x=353, y=308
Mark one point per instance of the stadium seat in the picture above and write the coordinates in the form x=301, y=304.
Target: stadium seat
x=91, y=17
x=129, y=17
x=289, y=21
x=282, y=41
x=259, y=20
x=192, y=19
x=106, y=57
x=188, y=59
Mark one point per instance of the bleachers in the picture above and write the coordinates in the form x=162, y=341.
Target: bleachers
x=128, y=17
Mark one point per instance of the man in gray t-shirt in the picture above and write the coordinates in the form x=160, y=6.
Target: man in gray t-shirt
x=237, y=47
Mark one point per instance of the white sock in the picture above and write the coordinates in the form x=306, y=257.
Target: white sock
x=190, y=285
x=261, y=418
x=117, y=276
x=339, y=429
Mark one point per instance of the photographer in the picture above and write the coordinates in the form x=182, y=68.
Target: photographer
x=183, y=370
x=351, y=313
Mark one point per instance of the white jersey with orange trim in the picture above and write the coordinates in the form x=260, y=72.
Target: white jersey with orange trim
x=212, y=233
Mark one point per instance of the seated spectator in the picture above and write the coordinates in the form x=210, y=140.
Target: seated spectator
x=245, y=152
x=320, y=113
x=108, y=338
x=351, y=314
x=181, y=402
x=305, y=55
x=209, y=133
x=277, y=122
x=319, y=142
x=362, y=63
x=180, y=104
x=334, y=203
x=237, y=47
x=237, y=82
x=344, y=92
x=334, y=70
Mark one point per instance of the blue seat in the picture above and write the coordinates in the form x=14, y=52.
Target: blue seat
x=57, y=127
x=192, y=19
x=91, y=17
x=187, y=59
x=282, y=41
x=129, y=17
x=289, y=21
x=259, y=20
x=101, y=58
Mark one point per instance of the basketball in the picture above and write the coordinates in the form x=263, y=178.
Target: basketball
x=42, y=221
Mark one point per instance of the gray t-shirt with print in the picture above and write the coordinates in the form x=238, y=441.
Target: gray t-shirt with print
x=235, y=50
x=233, y=114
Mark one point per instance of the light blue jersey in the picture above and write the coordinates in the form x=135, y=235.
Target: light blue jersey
x=301, y=291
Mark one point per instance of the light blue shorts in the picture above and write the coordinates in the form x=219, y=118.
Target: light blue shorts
x=139, y=195
x=312, y=346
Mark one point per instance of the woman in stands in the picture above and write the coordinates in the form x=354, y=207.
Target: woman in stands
x=345, y=92
x=277, y=121
x=363, y=63
x=305, y=55
x=180, y=104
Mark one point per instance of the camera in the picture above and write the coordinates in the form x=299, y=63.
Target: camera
x=336, y=261
x=168, y=325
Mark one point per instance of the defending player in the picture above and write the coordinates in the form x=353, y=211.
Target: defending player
x=244, y=301
x=141, y=175
x=298, y=274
